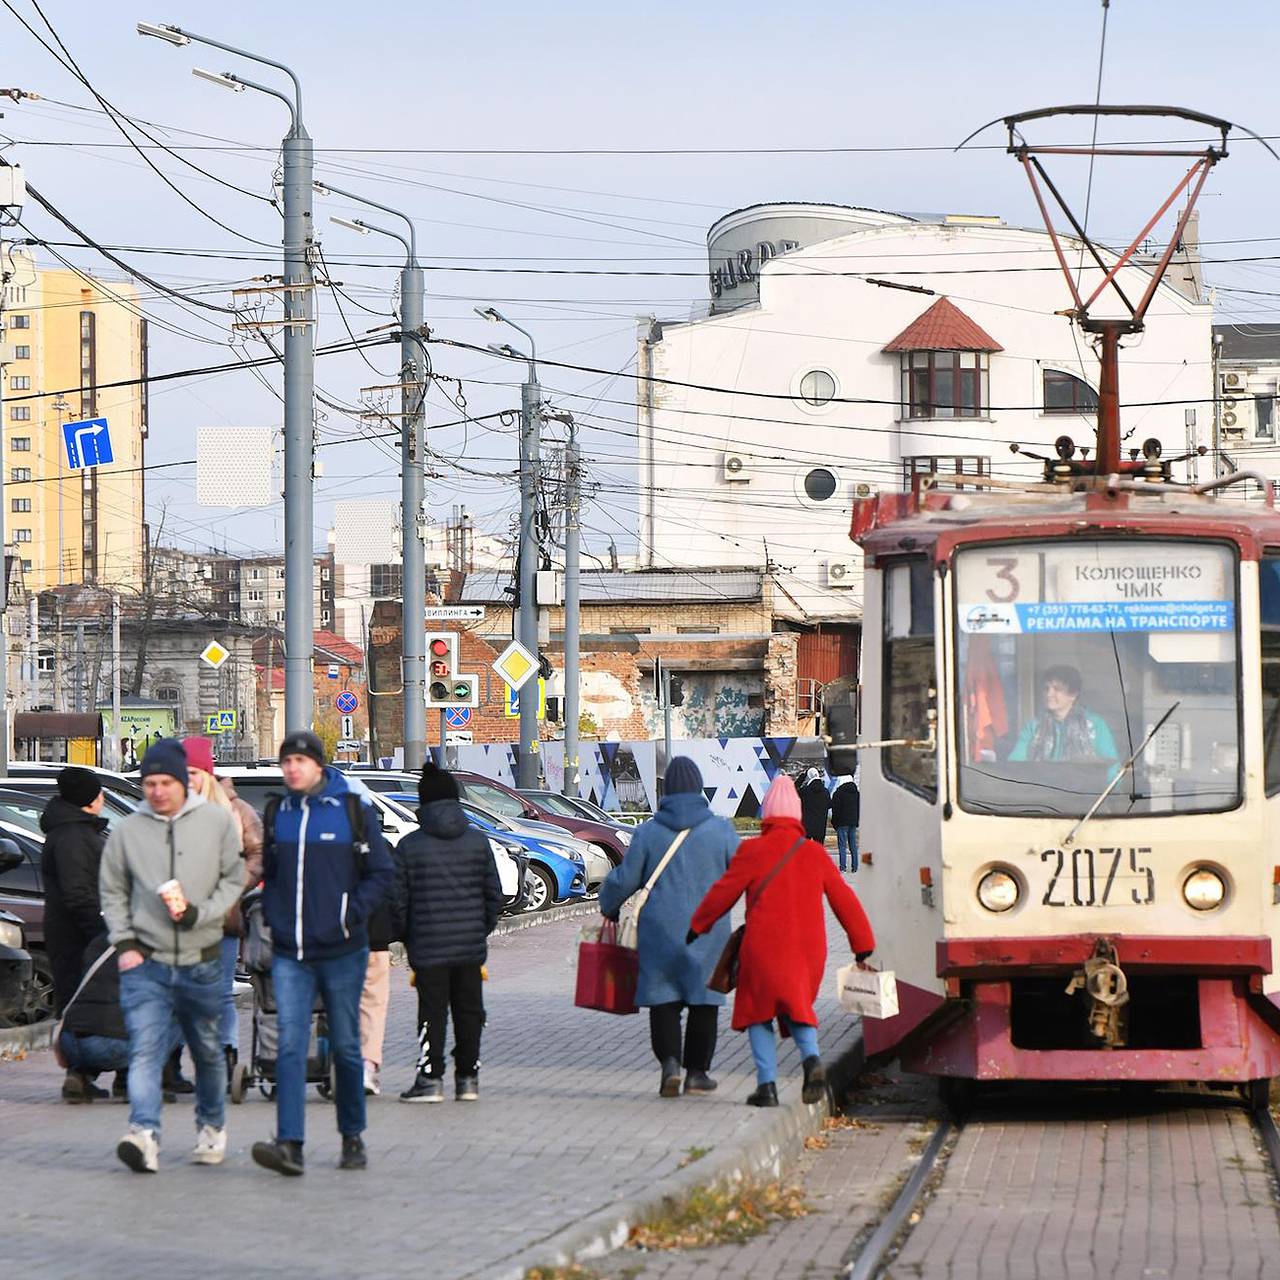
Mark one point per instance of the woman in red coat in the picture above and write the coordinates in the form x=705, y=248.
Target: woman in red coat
x=784, y=948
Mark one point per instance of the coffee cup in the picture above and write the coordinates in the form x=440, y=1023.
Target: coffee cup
x=173, y=898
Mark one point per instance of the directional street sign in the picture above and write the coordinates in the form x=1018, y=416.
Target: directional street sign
x=454, y=612
x=214, y=654
x=88, y=443
x=515, y=664
x=348, y=727
x=346, y=702
x=457, y=717
x=227, y=720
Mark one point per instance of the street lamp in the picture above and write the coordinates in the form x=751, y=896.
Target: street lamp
x=413, y=394
x=299, y=370
x=530, y=557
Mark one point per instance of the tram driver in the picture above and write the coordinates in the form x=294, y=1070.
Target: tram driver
x=1065, y=730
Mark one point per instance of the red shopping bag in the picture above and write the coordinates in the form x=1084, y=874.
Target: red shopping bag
x=607, y=974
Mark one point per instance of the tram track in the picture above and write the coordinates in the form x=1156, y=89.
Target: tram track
x=877, y=1253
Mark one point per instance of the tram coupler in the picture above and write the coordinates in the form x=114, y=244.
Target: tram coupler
x=1104, y=982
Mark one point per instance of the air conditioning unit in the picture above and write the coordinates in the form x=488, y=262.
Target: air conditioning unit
x=1234, y=381
x=840, y=573
x=864, y=490
x=737, y=466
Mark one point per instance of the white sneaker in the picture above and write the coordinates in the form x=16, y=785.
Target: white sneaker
x=140, y=1150
x=211, y=1145
x=372, y=1080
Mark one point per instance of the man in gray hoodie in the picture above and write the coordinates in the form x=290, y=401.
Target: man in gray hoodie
x=169, y=873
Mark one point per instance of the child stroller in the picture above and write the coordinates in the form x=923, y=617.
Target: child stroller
x=260, y=1069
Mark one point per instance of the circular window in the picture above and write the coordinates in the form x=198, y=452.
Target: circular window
x=819, y=484
x=817, y=387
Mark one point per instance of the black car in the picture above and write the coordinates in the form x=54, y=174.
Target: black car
x=15, y=960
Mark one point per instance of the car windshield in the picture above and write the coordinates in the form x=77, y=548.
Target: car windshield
x=1069, y=655
x=589, y=810
x=554, y=803
x=489, y=819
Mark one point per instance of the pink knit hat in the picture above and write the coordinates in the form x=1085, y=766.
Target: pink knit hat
x=782, y=800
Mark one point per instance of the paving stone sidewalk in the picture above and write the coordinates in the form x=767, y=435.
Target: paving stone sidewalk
x=569, y=1124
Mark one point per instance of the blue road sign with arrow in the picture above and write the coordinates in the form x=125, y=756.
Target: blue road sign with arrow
x=88, y=443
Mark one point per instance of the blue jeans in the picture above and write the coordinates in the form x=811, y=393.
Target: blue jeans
x=91, y=1054
x=764, y=1048
x=152, y=996
x=229, y=1024
x=339, y=982
x=847, y=842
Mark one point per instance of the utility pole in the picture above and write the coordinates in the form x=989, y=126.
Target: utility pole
x=572, y=606
x=12, y=198
x=530, y=546
x=413, y=396
x=299, y=372
x=666, y=715
x=114, y=756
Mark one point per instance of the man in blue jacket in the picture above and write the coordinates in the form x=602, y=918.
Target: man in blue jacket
x=322, y=878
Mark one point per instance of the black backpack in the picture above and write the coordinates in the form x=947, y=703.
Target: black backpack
x=356, y=820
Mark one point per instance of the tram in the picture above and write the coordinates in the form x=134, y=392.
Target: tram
x=1069, y=750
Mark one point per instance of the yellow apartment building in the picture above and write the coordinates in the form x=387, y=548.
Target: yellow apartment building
x=71, y=335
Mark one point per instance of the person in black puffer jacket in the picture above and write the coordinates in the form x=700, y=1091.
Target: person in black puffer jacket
x=444, y=906
x=91, y=1035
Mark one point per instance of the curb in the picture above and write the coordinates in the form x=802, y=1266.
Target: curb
x=20, y=1040
x=767, y=1151
x=569, y=911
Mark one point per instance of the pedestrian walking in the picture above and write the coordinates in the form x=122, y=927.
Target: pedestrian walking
x=201, y=771
x=74, y=835
x=845, y=810
x=673, y=976
x=444, y=906
x=169, y=872
x=815, y=803
x=784, y=946
x=91, y=1035
x=325, y=868
x=375, y=998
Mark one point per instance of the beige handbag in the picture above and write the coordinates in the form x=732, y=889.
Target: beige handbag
x=629, y=917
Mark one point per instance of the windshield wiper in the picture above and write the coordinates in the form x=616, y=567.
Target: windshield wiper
x=1120, y=772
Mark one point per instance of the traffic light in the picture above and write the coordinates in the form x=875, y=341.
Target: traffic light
x=675, y=688
x=445, y=685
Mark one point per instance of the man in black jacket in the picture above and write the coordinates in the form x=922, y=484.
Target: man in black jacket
x=75, y=833
x=444, y=906
x=92, y=1036
x=845, y=812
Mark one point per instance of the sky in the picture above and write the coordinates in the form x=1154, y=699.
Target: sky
x=441, y=110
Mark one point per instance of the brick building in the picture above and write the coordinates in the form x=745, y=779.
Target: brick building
x=732, y=637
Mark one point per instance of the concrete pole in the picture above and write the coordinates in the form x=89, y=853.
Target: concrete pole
x=299, y=432
x=527, y=631
x=572, y=611
x=4, y=637
x=412, y=458
x=114, y=757
x=666, y=715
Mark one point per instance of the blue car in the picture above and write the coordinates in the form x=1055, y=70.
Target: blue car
x=554, y=875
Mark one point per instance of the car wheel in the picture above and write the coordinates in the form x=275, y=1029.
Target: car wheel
x=37, y=995
x=540, y=889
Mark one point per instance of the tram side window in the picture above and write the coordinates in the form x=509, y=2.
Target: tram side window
x=1269, y=599
x=908, y=674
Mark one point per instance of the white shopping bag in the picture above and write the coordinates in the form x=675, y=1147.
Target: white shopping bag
x=867, y=992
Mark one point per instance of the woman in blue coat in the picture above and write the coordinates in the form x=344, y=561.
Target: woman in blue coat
x=674, y=976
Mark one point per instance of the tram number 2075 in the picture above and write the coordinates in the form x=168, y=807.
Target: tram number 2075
x=1098, y=877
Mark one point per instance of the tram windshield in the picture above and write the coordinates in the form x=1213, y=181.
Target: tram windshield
x=1070, y=653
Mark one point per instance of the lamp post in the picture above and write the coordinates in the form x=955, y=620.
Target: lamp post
x=60, y=408
x=572, y=603
x=413, y=389
x=299, y=373
x=527, y=627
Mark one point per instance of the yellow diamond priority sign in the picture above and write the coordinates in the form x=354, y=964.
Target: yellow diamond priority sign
x=515, y=664
x=214, y=654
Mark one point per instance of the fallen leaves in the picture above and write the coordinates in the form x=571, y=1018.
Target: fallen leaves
x=717, y=1216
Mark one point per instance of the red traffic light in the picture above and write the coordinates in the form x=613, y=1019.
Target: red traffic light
x=440, y=647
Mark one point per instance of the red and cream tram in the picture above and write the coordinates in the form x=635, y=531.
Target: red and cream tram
x=1070, y=832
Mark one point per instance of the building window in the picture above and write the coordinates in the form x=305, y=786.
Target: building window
x=26, y=566
x=20, y=382
x=167, y=693
x=254, y=597
x=820, y=484
x=19, y=473
x=20, y=322
x=324, y=616
x=705, y=630
x=21, y=444
x=44, y=661
x=629, y=631
x=22, y=535
x=1065, y=393
x=386, y=581
x=817, y=388
x=255, y=574
x=21, y=352
x=20, y=504
x=945, y=384
x=20, y=413
x=1264, y=406
x=324, y=575
x=949, y=473
x=88, y=364
x=279, y=597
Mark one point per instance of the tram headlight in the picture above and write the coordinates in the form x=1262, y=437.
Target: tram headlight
x=998, y=890
x=1204, y=889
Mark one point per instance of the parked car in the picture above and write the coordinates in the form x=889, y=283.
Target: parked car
x=555, y=874
x=128, y=784
x=23, y=800
x=15, y=960
x=22, y=897
x=577, y=807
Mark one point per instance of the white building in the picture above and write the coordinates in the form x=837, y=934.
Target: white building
x=848, y=348
x=1248, y=360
